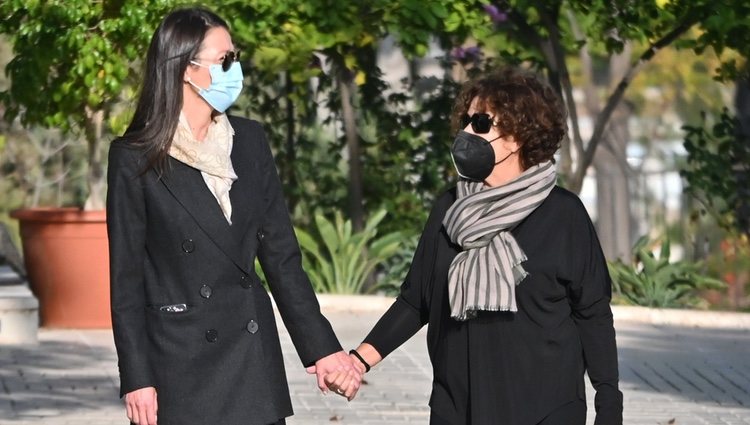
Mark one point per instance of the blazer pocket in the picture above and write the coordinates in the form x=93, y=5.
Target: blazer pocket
x=174, y=308
x=175, y=336
x=176, y=312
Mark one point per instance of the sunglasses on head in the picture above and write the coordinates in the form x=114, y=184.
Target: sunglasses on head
x=227, y=60
x=481, y=123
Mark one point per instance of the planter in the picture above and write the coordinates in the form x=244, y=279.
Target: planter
x=67, y=261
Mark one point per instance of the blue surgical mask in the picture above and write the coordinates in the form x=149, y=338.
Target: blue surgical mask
x=225, y=86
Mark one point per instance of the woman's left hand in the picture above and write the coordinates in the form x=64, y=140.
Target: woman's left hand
x=343, y=370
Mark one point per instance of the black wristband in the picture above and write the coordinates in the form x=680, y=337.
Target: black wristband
x=357, y=355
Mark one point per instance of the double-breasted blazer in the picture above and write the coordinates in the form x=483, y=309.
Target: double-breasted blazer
x=218, y=361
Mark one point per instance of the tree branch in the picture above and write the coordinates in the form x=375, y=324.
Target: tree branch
x=554, y=61
x=563, y=75
x=588, y=78
x=527, y=33
x=614, y=99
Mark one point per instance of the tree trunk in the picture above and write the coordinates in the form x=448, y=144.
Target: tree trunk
x=291, y=151
x=614, y=218
x=42, y=148
x=356, y=208
x=95, y=176
x=614, y=221
x=741, y=163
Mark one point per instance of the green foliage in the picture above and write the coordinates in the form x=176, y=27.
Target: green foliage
x=340, y=260
x=716, y=156
x=655, y=282
x=413, y=145
x=724, y=26
x=300, y=53
x=283, y=35
x=78, y=53
x=395, y=269
x=72, y=61
x=84, y=56
x=556, y=37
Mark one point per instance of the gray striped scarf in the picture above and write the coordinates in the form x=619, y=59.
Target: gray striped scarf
x=485, y=274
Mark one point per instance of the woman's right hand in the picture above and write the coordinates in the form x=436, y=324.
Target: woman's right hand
x=141, y=406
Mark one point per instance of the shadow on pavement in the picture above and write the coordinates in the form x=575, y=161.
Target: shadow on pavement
x=701, y=365
x=57, y=376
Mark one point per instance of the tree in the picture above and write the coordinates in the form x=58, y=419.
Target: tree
x=611, y=41
x=293, y=42
x=718, y=168
x=718, y=176
x=74, y=60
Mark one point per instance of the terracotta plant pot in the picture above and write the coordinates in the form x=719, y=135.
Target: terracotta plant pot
x=67, y=261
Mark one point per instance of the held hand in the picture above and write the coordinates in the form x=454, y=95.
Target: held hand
x=338, y=363
x=344, y=384
x=363, y=358
x=141, y=406
x=339, y=383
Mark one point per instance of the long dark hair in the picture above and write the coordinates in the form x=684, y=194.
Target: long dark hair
x=175, y=43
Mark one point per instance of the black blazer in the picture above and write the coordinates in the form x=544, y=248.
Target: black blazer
x=220, y=360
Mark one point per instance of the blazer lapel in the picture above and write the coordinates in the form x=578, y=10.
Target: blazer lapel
x=187, y=185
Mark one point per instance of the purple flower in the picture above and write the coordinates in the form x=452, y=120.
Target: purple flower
x=467, y=55
x=473, y=52
x=496, y=15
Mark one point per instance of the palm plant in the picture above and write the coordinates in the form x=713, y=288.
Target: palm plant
x=345, y=259
x=656, y=282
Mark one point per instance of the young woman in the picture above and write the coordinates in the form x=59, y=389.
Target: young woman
x=193, y=199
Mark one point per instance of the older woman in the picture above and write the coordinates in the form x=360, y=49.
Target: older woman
x=508, y=275
x=193, y=199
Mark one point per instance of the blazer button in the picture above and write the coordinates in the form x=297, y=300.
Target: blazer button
x=212, y=335
x=206, y=291
x=245, y=281
x=260, y=235
x=252, y=326
x=188, y=246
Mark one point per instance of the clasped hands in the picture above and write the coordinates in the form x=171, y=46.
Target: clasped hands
x=339, y=372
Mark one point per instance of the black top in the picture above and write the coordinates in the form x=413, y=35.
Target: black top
x=515, y=368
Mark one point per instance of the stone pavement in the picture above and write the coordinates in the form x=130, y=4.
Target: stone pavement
x=669, y=375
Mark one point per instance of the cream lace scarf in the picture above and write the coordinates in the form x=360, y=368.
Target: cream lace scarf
x=211, y=156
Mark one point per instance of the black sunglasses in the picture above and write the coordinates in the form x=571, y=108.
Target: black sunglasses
x=230, y=58
x=481, y=123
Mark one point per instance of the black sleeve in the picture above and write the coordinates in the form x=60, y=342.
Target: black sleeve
x=590, y=293
x=281, y=261
x=410, y=311
x=126, y=228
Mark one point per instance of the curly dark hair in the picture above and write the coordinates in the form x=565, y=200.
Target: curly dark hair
x=524, y=107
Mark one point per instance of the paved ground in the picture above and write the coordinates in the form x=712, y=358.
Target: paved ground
x=670, y=375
